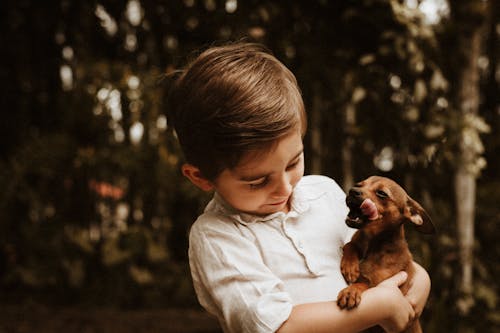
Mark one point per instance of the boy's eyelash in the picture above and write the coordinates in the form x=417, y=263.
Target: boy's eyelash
x=294, y=164
x=264, y=182
x=259, y=184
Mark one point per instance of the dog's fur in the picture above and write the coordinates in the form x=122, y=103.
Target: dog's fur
x=379, y=208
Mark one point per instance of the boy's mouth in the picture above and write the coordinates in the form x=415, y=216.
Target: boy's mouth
x=279, y=203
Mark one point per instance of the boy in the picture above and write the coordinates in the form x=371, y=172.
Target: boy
x=265, y=254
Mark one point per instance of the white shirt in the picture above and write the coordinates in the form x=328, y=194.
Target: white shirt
x=249, y=271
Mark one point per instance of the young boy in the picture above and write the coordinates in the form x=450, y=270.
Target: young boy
x=265, y=254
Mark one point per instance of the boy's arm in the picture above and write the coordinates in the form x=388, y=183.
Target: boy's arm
x=382, y=305
x=420, y=287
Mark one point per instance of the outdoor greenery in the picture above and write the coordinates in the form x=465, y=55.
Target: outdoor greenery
x=93, y=208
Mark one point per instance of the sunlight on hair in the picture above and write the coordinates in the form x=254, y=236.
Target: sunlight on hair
x=107, y=22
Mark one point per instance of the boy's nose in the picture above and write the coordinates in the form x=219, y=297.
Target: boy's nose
x=284, y=187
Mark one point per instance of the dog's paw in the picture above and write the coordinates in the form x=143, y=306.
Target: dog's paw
x=349, y=298
x=350, y=269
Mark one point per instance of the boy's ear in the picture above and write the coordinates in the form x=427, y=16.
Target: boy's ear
x=194, y=175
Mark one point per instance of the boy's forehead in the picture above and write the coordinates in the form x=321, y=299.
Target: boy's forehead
x=265, y=160
x=263, y=166
x=251, y=163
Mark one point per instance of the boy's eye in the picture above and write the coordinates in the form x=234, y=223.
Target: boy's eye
x=259, y=184
x=294, y=164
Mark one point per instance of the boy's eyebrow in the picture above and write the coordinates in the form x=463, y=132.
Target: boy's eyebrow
x=260, y=176
x=253, y=177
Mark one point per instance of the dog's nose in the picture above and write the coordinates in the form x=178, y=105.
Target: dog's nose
x=355, y=192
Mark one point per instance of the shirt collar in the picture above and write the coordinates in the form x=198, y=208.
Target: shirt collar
x=299, y=204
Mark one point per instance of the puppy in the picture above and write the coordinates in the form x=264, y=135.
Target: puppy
x=379, y=208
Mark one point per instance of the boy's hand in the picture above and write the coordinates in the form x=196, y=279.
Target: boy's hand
x=420, y=287
x=400, y=312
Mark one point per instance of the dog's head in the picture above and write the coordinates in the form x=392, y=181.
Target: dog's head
x=381, y=203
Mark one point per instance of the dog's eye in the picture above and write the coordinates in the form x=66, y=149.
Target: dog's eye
x=381, y=194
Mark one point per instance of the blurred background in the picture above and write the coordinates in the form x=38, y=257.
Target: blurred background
x=94, y=214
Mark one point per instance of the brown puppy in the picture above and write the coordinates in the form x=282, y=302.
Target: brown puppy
x=378, y=208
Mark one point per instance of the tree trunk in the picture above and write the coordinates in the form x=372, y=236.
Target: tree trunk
x=315, y=130
x=470, y=20
x=347, y=163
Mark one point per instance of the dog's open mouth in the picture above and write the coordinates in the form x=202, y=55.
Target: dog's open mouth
x=359, y=214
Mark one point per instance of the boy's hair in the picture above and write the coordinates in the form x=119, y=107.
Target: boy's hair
x=233, y=100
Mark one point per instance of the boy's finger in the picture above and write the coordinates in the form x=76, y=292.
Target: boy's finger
x=397, y=279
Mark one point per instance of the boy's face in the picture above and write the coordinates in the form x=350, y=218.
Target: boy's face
x=262, y=183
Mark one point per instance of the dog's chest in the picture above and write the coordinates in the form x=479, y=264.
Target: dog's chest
x=382, y=261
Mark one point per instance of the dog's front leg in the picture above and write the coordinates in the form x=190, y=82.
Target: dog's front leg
x=352, y=251
x=350, y=297
x=349, y=265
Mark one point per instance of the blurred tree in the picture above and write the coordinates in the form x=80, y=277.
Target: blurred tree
x=470, y=20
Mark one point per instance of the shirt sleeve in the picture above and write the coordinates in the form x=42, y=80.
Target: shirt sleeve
x=232, y=281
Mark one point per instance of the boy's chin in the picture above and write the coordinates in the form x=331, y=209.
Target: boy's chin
x=265, y=209
x=275, y=208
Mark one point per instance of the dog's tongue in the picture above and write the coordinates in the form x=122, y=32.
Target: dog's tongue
x=369, y=209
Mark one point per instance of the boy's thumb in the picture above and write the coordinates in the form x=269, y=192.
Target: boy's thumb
x=398, y=279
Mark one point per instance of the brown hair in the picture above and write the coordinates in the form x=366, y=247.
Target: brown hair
x=232, y=100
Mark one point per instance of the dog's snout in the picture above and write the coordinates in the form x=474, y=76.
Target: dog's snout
x=355, y=192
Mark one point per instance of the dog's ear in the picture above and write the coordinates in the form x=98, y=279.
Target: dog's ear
x=417, y=215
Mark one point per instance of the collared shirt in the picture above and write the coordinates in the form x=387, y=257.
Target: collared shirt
x=250, y=270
